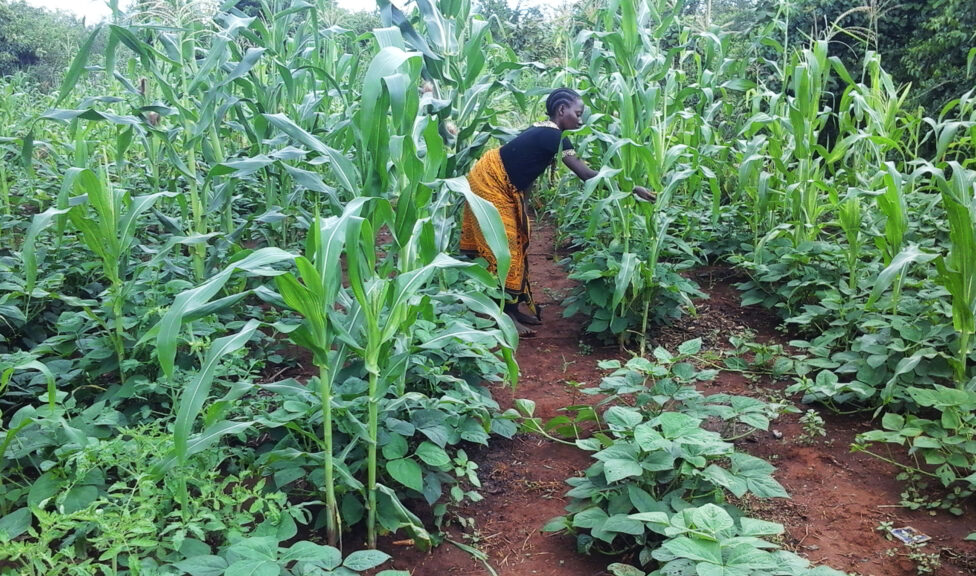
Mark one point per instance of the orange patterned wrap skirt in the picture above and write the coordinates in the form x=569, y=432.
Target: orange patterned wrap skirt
x=489, y=180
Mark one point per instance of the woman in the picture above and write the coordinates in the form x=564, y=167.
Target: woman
x=504, y=176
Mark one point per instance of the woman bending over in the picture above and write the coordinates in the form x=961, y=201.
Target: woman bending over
x=504, y=176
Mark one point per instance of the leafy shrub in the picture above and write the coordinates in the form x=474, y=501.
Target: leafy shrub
x=707, y=540
x=656, y=457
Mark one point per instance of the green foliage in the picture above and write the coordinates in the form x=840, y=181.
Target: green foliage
x=532, y=34
x=924, y=42
x=200, y=190
x=708, y=540
x=656, y=459
x=941, y=448
x=227, y=137
x=102, y=508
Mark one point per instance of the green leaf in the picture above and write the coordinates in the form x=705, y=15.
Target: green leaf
x=325, y=557
x=712, y=519
x=342, y=167
x=525, y=406
x=747, y=559
x=406, y=471
x=195, y=394
x=624, y=278
x=698, y=550
x=361, y=560
x=674, y=425
x=433, y=455
x=39, y=223
x=201, y=441
x=722, y=477
x=618, y=469
x=618, y=569
x=557, y=524
x=79, y=498
x=490, y=223
x=189, y=301
x=77, y=66
x=756, y=527
x=899, y=264
x=623, y=524
x=622, y=418
x=14, y=524
x=690, y=347
x=203, y=565
x=758, y=476
x=590, y=518
x=253, y=568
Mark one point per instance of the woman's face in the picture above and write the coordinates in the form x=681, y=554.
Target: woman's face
x=570, y=116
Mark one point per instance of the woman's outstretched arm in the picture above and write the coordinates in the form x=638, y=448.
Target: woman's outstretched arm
x=584, y=172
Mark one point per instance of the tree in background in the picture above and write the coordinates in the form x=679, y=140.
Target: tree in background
x=925, y=42
x=530, y=32
x=37, y=41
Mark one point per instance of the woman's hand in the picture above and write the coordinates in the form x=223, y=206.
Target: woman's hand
x=644, y=194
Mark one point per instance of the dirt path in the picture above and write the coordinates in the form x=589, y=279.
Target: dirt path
x=838, y=500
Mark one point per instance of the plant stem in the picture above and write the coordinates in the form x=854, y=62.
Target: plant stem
x=371, y=462
x=331, y=510
x=119, y=339
x=963, y=358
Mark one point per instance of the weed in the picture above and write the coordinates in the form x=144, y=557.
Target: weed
x=585, y=348
x=813, y=427
x=925, y=563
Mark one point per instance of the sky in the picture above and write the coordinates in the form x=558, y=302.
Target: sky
x=95, y=10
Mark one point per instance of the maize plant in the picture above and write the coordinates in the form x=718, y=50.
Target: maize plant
x=957, y=270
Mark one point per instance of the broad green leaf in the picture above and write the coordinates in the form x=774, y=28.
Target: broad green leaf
x=303, y=551
x=616, y=469
x=253, y=568
x=203, y=565
x=747, y=559
x=674, y=425
x=756, y=527
x=590, y=518
x=758, y=475
x=406, y=471
x=433, y=455
x=690, y=347
x=722, y=477
x=362, y=560
x=712, y=519
x=14, y=524
x=622, y=418
x=623, y=524
x=695, y=549
x=618, y=569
